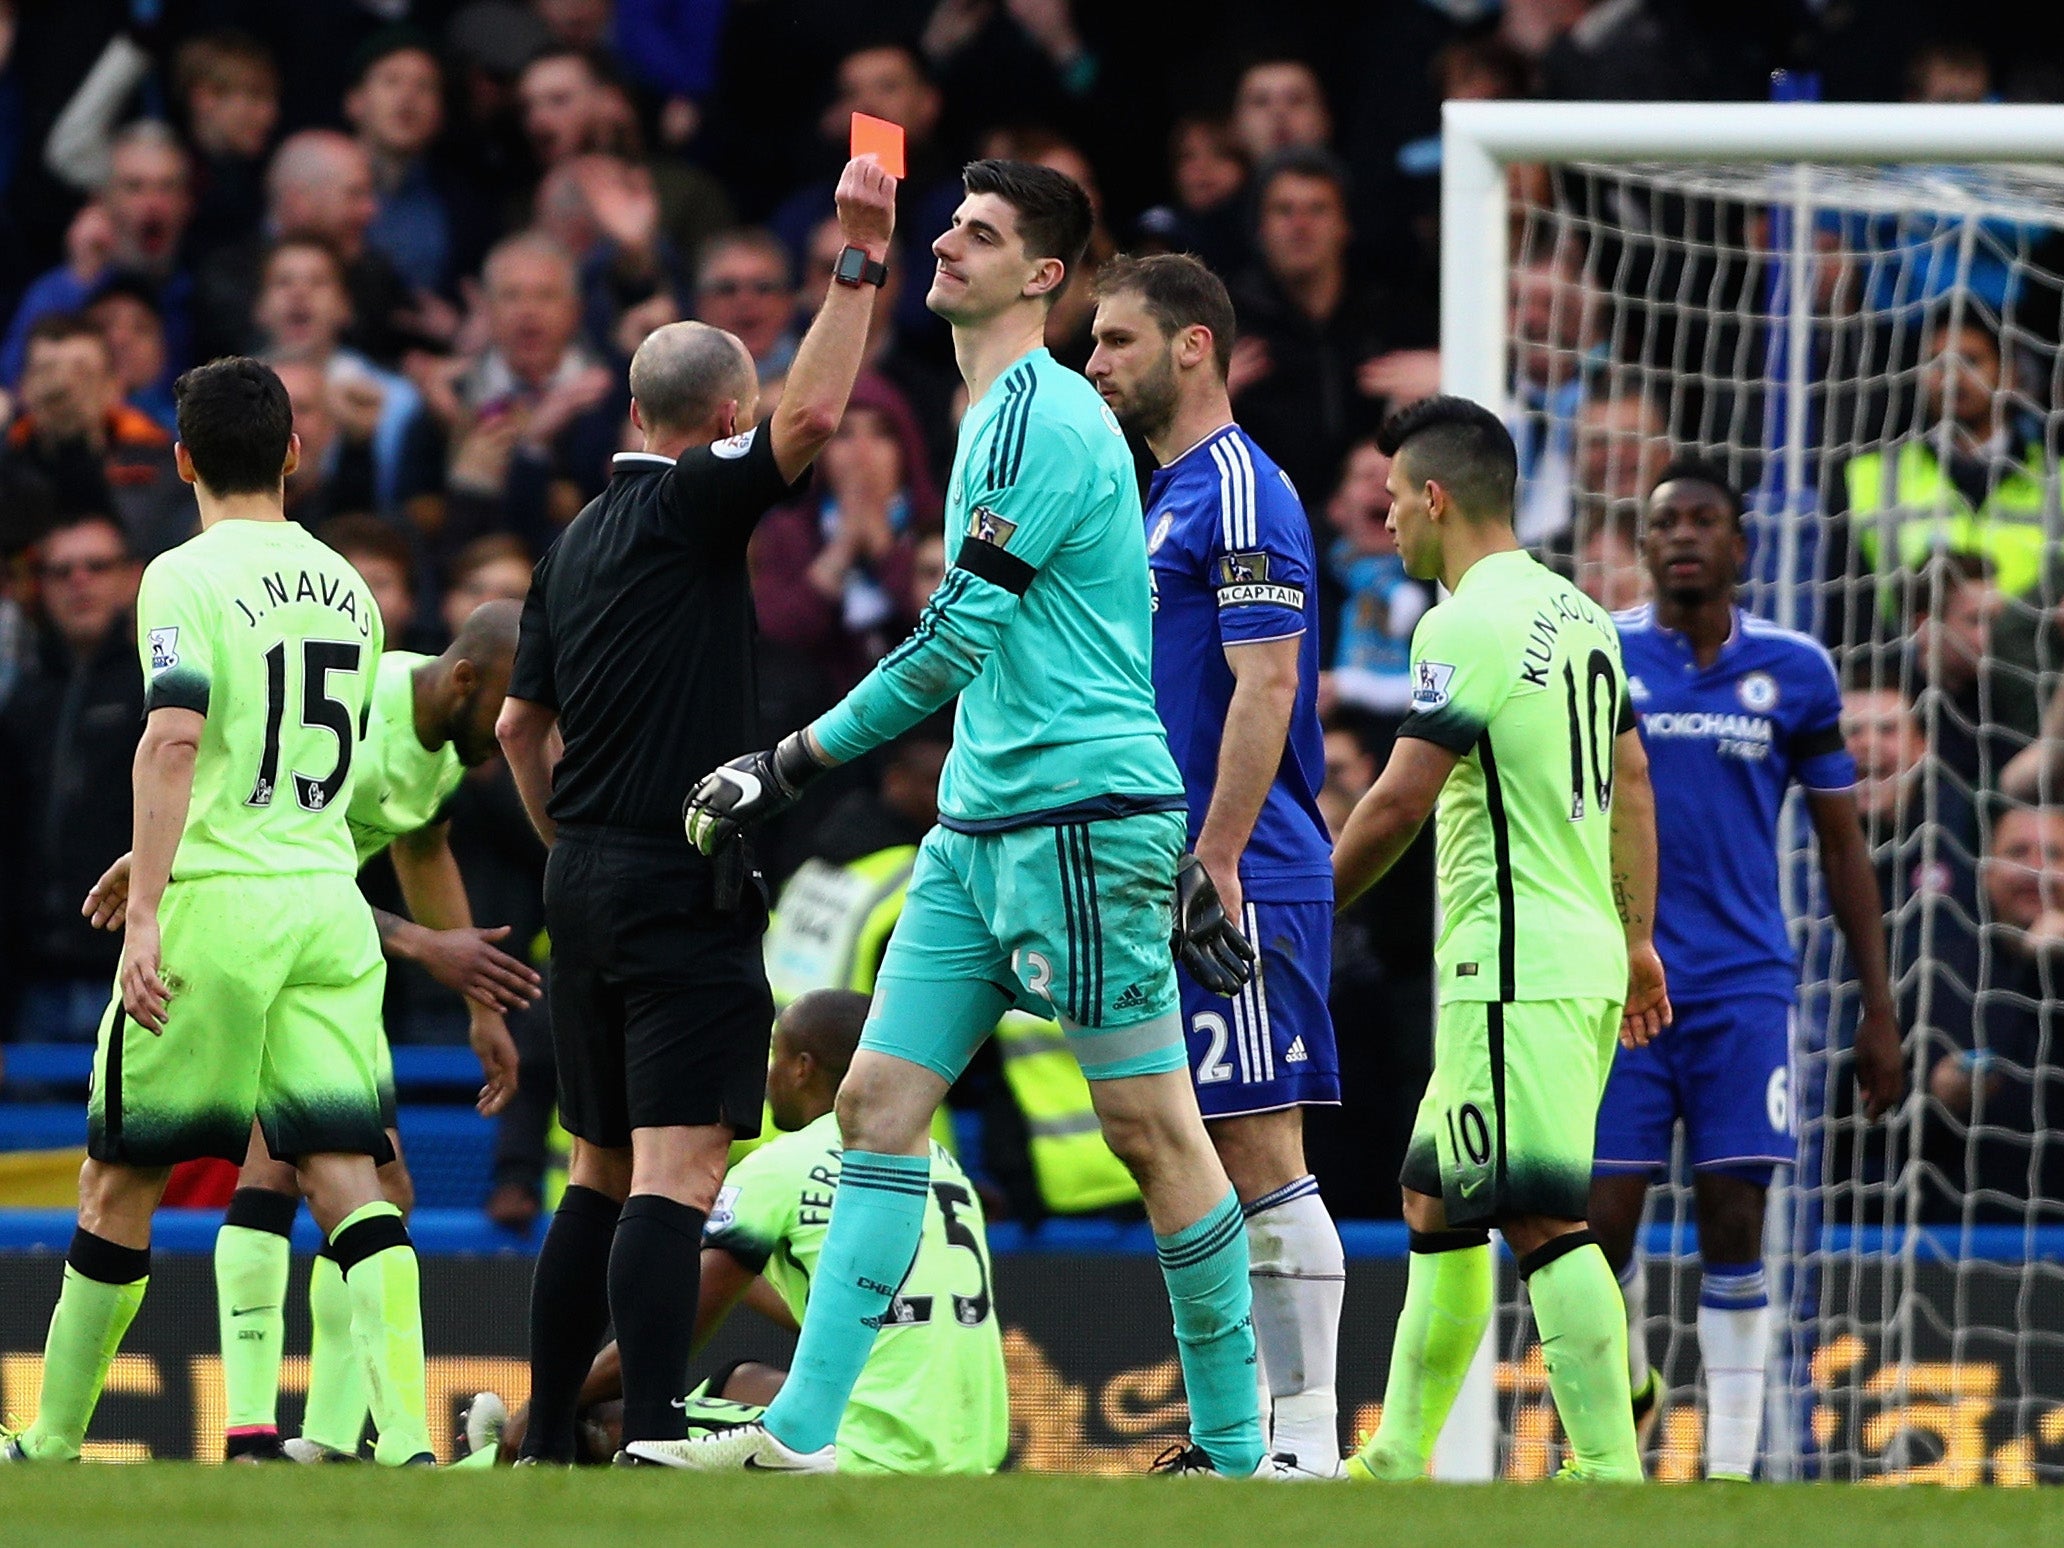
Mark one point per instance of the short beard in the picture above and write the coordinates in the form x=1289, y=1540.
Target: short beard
x=1154, y=403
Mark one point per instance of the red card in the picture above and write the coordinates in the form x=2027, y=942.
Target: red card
x=881, y=139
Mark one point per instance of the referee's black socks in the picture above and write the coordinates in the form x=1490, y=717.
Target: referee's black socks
x=569, y=1312
x=655, y=1273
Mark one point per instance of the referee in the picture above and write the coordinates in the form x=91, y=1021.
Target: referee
x=637, y=650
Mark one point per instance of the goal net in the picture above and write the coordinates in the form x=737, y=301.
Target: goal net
x=1869, y=345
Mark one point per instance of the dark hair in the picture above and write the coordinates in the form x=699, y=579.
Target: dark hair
x=599, y=65
x=1880, y=668
x=62, y=327
x=362, y=533
x=399, y=38
x=483, y=551
x=1927, y=590
x=313, y=243
x=1313, y=161
x=214, y=56
x=1461, y=445
x=90, y=516
x=1179, y=291
x=1054, y=217
x=235, y=420
x=1946, y=317
x=1482, y=54
x=1702, y=470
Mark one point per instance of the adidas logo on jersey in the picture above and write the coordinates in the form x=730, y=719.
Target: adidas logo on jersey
x=1134, y=997
x=1295, y=1053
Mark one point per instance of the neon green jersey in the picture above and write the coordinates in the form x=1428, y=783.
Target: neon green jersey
x=272, y=637
x=932, y=1398
x=1042, y=624
x=1519, y=673
x=401, y=785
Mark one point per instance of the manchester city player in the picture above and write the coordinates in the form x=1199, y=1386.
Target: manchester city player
x=1732, y=710
x=1236, y=664
x=1058, y=862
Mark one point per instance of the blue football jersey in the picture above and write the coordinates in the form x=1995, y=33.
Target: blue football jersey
x=1231, y=562
x=1723, y=744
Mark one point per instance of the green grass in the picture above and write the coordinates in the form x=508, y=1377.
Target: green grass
x=170, y=1505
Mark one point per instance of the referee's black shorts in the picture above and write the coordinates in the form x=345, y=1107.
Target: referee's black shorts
x=661, y=1014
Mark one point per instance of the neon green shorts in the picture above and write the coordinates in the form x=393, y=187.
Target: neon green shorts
x=1508, y=1121
x=1068, y=922
x=276, y=984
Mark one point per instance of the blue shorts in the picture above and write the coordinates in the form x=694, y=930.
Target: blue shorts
x=1271, y=1045
x=1725, y=1068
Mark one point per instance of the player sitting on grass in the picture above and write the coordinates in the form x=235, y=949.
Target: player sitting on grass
x=432, y=719
x=251, y=975
x=931, y=1398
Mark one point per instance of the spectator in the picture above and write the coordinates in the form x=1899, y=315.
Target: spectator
x=1952, y=604
x=604, y=212
x=69, y=733
x=831, y=573
x=2004, y=1088
x=1304, y=327
x=1279, y=105
x=926, y=388
x=1207, y=170
x=136, y=224
x=1025, y=62
x=572, y=104
x=381, y=555
x=1949, y=70
x=1901, y=503
x=78, y=448
x=1622, y=441
x=540, y=413
x=1378, y=602
x=396, y=108
x=744, y=286
x=495, y=568
x=302, y=314
x=1609, y=567
x=1558, y=322
x=228, y=85
x=125, y=311
x=319, y=186
x=886, y=80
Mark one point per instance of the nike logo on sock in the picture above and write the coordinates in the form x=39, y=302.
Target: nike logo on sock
x=245, y=1311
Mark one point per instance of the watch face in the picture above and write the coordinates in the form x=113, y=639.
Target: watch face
x=852, y=264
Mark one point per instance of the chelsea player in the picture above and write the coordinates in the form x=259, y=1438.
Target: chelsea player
x=1236, y=664
x=1732, y=710
x=1058, y=861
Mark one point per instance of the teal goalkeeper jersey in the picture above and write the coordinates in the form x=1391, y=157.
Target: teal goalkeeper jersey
x=932, y=1397
x=1042, y=625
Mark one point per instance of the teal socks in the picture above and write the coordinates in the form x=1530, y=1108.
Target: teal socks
x=1205, y=1266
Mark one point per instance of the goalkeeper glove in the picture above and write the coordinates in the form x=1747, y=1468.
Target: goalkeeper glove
x=1216, y=954
x=747, y=791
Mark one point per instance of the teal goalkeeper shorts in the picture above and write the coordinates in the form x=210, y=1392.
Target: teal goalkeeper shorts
x=1070, y=922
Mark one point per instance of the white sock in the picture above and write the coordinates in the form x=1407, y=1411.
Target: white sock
x=1634, y=1291
x=1300, y=1278
x=1734, y=1344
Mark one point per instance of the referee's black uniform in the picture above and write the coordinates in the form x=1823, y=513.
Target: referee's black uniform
x=638, y=631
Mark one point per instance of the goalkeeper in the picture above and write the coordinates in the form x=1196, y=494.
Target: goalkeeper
x=1050, y=878
x=932, y=1397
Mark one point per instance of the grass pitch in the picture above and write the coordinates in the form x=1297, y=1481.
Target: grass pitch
x=170, y=1505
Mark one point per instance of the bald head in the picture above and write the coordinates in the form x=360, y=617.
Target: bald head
x=488, y=636
x=826, y=1024
x=320, y=184
x=685, y=375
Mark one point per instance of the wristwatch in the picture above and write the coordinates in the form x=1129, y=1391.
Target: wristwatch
x=855, y=268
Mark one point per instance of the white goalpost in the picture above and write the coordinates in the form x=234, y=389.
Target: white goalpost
x=1767, y=286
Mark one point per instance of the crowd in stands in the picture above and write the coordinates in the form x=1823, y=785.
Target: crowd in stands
x=447, y=224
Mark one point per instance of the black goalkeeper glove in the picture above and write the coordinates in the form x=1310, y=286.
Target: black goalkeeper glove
x=747, y=791
x=1216, y=954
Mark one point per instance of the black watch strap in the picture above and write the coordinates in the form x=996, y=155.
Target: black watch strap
x=854, y=267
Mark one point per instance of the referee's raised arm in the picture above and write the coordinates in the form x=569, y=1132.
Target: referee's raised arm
x=827, y=361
